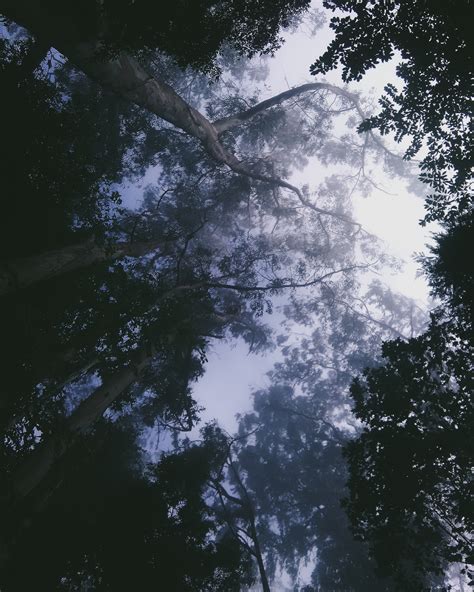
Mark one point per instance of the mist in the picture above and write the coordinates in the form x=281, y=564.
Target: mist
x=236, y=286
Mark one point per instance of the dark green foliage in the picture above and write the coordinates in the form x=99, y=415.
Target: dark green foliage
x=111, y=528
x=434, y=108
x=191, y=31
x=194, y=31
x=410, y=468
x=450, y=268
x=223, y=247
x=65, y=145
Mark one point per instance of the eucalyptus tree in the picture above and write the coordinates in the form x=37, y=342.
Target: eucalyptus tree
x=66, y=149
x=291, y=463
x=129, y=79
x=267, y=206
x=282, y=476
x=201, y=273
x=214, y=247
x=18, y=272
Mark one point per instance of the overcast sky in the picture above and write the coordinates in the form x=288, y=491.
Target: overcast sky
x=232, y=373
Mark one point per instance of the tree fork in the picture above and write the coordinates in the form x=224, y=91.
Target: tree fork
x=127, y=78
x=38, y=465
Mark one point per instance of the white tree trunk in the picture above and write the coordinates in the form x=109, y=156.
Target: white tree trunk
x=38, y=465
x=24, y=272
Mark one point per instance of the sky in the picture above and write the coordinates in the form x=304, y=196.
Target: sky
x=232, y=373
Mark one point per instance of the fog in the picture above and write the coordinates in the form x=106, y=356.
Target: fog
x=236, y=286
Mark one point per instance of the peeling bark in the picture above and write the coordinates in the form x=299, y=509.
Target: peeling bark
x=21, y=273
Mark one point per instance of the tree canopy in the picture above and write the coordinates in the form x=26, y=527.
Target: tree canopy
x=433, y=109
x=155, y=209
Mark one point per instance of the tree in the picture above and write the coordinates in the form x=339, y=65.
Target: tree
x=433, y=108
x=113, y=523
x=52, y=169
x=449, y=269
x=216, y=248
x=287, y=455
x=409, y=483
x=216, y=244
x=233, y=506
x=409, y=469
x=292, y=468
x=24, y=272
x=129, y=79
x=192, y=32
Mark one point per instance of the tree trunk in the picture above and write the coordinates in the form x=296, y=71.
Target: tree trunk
x=258, y=555
x=127, y=78
x=247, y=504
x=38, y=465
x=21, y=273
x=9, y=415
x=32, y=59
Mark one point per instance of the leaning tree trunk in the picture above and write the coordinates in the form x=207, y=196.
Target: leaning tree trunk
x=127, y=78
x=10, y=415
x=39, y=464
x=21, y=273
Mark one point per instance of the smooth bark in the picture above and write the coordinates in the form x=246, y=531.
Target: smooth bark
x=127, y=78
x=24, y=272
x=227, y=123
x=39, y=464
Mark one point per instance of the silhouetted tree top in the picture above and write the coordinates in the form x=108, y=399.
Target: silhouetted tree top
x=433, y=109
x=113, y=524
x=450, y=268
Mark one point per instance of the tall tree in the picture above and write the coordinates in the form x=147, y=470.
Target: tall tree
x=121, y=331
x=410, y=468
x=288, y=450
x=131, y=80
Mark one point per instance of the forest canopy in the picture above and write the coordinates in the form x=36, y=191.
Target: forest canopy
x=159, y=202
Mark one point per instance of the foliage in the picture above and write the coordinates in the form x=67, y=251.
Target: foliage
x=410, y=467
x=287, y=452
x=450, y=270
x=66, y=147
x=110, y=527
x=191, y=31
x=293, y=469
x=433, y=108
x=220, y=249
x=205, y=26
